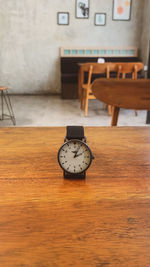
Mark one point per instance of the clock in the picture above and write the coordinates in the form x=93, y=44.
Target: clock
x=75, y=156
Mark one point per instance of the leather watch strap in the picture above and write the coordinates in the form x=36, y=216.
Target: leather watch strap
x=75, y=132
x=79, y=176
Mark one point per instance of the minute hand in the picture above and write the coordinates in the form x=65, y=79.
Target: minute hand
x=79, y=154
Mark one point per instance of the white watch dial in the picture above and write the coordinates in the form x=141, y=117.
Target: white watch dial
x=74, y=156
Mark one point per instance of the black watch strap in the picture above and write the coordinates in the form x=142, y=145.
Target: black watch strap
x=79, y=176
x=75, y=132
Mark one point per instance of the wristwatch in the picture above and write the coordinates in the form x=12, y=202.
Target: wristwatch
x=75, y=156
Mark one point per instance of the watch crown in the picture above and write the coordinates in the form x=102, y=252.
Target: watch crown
x=93, y=157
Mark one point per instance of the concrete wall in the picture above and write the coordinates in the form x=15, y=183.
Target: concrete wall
x=145, y=39
x=30, y=39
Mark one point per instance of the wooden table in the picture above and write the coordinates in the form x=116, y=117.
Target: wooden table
x=101, y=221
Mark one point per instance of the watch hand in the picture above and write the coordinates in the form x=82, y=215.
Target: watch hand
x=78, y=150
x=74, y=151
x=78, y=155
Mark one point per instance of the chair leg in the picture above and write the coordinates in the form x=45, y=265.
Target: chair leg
x=86, y=103
x=82, y=99
x=9, y=107
x=110, y=110
x=2, y=102
x=115, y=115
x=136, y=113
x=104, y=106
x=11, y=112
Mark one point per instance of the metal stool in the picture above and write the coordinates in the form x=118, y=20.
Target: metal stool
x=5, y=98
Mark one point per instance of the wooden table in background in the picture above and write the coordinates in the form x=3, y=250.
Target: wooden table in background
x=101, y=221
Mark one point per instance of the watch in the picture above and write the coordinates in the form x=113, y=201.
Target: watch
x=75, y=156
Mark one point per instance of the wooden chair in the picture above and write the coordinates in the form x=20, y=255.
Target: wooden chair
x=125, y=68
x=93, y=68
x=129, y=94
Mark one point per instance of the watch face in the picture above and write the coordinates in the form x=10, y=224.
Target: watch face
x=74, y=156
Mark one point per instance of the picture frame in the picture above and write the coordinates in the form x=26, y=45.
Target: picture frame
x=82, y=9
x=100, y=19
x=63, y=18
x=122, y=10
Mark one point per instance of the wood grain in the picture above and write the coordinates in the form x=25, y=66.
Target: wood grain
x=101, y=221
x=130, y=94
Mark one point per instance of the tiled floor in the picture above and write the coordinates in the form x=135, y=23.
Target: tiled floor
x=53, y=111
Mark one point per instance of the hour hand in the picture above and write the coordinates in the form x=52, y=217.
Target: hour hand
x=74, y=151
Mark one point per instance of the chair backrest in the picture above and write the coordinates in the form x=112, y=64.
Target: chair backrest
x=99, y=68
x=90, y=74
x=129, y=67
x=128, y=93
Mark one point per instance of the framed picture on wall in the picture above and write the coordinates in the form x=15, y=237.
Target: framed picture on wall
x=100, y=19
x=82, y=9
x=63, y=18
x=122, y=9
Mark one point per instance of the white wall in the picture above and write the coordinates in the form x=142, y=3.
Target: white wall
x=30, y=39
x=145, y=37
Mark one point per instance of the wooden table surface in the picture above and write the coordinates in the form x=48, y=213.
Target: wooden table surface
x=101, y=221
